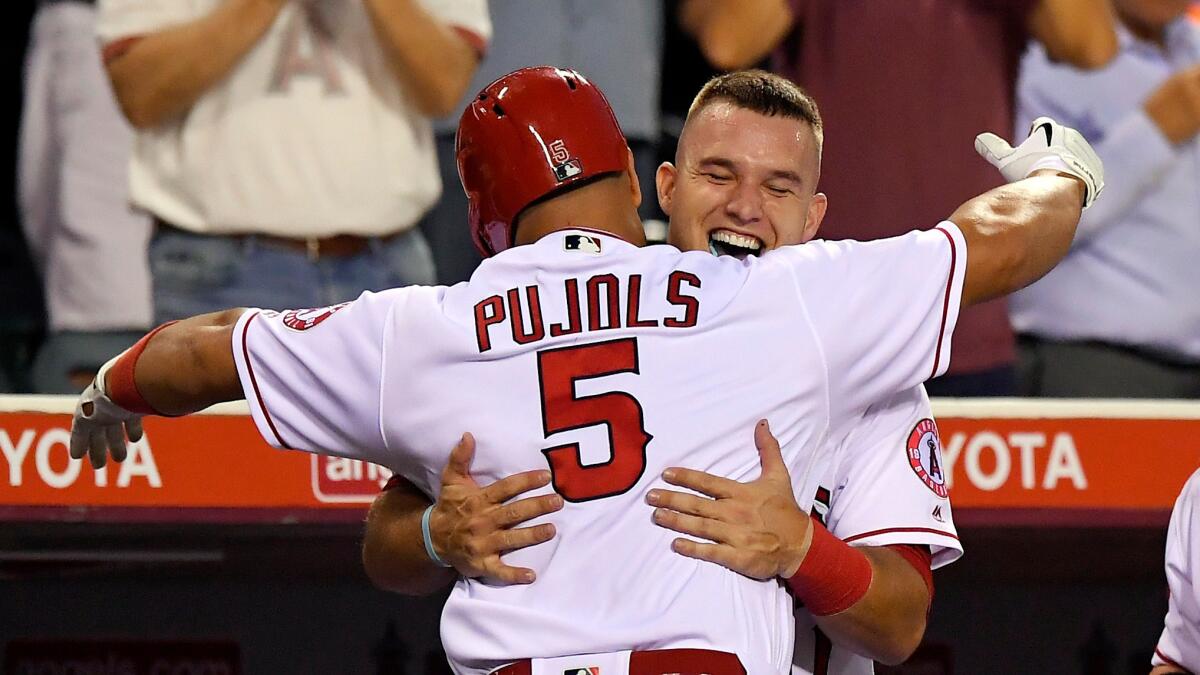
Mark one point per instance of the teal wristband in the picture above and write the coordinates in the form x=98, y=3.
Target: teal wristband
x=429, y=540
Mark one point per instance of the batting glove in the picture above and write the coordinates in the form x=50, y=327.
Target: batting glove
x=100, y=426
x=1050, y=146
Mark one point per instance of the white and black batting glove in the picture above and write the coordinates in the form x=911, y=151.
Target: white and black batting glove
x=100, y=426
x=1050, y=146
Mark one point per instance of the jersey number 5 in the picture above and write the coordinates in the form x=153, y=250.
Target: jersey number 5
x=558, y=371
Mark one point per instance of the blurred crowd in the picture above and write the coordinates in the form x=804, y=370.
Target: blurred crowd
x=184, y=156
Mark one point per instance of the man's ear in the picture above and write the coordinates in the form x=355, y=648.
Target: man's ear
x=664, y=183
x=816, y=214
x=636, y=188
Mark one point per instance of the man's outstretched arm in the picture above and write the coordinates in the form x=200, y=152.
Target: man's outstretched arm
x=176, y=369
x=1018, y=232
x=188, y=365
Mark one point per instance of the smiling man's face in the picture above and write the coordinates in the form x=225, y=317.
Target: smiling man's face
x=743, y=182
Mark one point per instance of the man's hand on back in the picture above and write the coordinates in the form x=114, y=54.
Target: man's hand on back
x=470, y=526
x=757, y=529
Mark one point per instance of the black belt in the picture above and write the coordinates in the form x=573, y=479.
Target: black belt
x=336, y=246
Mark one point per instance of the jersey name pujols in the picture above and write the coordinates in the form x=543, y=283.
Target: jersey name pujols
x=593, y=304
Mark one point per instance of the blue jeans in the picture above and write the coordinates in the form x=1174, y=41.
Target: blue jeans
x=68, y=360
x=196, y=274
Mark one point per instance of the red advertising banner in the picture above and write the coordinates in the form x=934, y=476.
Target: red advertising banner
x=1008, y=462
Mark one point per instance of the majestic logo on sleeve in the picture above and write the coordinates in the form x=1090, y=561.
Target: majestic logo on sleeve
x=925, y=456
x=303, y=319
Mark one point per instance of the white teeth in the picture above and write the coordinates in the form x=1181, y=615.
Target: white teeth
x=735, y=239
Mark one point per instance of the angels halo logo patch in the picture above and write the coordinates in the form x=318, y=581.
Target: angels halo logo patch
x=925, y=456
x=303, y=319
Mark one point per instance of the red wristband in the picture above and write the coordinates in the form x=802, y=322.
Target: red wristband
x=833, y=575
x=119, y=383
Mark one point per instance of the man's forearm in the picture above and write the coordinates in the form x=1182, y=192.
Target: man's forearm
x=887, y=623
x=162, y=74
x=1017, y=233
x=429, y=57
x=734, y=35
x=393, y=546
x=189, y=365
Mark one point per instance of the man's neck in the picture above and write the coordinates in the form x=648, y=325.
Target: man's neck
x=604, y=206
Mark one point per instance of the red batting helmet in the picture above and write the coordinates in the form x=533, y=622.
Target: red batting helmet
x=530, y=133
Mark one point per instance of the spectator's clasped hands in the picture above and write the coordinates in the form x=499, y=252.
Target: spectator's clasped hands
x=1050, y=146
x=1175, y=106
x=755, y=528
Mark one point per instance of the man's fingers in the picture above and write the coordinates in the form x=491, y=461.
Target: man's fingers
x=704, y=528
x=97, y=449
x=133, y=429
x=685, y=503
x=705, y=483
x=79, y=442
x=993, y=148
x=115, y=436
x=508, y=574
x=522, y=537
x=458, y=466
x=769, y=454
x=511, y=486
x=527, y=509
x=720, y=554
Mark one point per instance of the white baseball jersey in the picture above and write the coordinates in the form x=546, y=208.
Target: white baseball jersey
x=608, y=363
x=309, y=135
x=884, y=486
x=1180, y=641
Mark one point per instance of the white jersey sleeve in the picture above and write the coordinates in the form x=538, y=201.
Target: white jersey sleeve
x=119, y=19
x=469, y=15
x=882, y=311
x=888, y=486
x=1180, y=642
x=883, y=487
x=312, y=377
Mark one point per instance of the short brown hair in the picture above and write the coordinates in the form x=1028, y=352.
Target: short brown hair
x=764, y=93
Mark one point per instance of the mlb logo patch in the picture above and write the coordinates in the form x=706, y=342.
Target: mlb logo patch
x=567, y=170
x=582, y=242
x=592, y=670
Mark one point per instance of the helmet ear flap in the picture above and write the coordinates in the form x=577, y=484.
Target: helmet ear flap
x=497, y=236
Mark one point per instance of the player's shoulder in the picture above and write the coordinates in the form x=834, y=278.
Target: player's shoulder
x=370, y=307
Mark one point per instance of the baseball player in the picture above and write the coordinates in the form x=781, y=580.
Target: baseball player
x=585, y=360
x=1178, y=649
x=738, y=133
